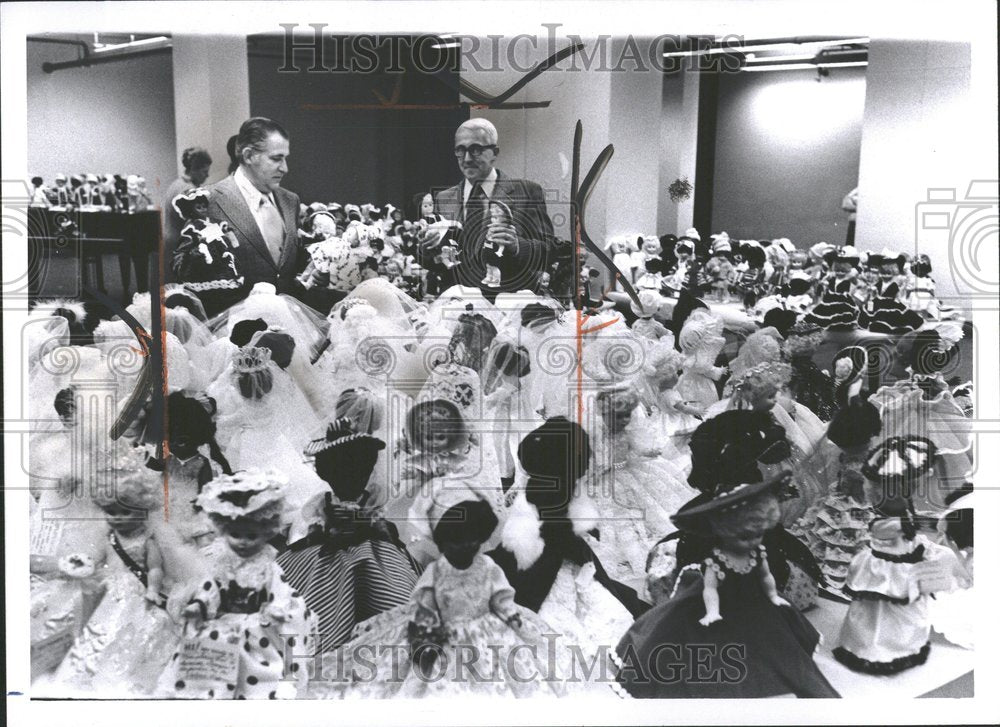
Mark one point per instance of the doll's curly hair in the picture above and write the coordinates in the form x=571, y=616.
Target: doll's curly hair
x=758, y=379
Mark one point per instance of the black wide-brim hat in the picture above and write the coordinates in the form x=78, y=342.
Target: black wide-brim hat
x=694, y=516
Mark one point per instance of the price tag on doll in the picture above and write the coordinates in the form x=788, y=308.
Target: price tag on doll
x=46, y=536
x=206, y=663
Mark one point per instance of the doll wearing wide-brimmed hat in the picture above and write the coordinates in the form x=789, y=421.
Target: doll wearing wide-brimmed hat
x=731, y=598
x=204, y=260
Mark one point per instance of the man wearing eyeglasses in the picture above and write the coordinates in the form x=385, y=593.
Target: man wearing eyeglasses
x=525, y=239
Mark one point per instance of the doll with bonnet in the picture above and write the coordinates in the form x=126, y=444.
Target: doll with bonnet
x=244, y=604
x=887, y=627
x=647, y=326
x=701, y=341
x=204, y=259
x=731, y=598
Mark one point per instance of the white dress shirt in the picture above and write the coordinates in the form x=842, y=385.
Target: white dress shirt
x=253, y=196
x=487, y=184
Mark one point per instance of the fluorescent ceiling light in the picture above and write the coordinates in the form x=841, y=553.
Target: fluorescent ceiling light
x=131, y=44
x=771, y=59
x=803, y=66
x=766, y=46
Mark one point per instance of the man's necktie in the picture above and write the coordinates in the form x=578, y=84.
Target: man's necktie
x=476, y=213
x=271, y=227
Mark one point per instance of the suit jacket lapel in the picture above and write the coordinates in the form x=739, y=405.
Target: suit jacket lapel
x=235, y=206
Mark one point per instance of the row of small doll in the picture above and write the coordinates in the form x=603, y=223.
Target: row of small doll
x=108, y=192
x=394, y=629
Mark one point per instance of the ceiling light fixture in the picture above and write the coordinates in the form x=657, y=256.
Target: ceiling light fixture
x=766, y=46
x=131, y=44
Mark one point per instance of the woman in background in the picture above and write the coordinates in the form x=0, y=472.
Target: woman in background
x=196, y=162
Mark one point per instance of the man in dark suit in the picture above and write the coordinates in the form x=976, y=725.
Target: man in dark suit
x=526, y=239
x=263, y=215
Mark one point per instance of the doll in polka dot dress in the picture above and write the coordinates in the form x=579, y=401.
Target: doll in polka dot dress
x=244, y=610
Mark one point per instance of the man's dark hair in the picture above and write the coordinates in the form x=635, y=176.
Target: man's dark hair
x=255, y=132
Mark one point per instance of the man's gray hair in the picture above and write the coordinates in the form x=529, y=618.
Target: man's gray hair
x=483, y=125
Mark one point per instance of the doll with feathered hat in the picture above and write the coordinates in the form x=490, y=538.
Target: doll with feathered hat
x=461, y=633
x=730, y=599
x=352, y=566
x=204, y=258
x=244, y=606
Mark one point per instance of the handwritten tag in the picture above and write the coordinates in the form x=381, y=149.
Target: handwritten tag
x=207, y=664
x=46, y=536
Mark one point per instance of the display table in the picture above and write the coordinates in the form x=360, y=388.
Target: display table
x=946, y=663
x=88, y=236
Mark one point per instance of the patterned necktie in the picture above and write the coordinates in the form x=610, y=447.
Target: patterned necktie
x=271, y=227
x=475, y=213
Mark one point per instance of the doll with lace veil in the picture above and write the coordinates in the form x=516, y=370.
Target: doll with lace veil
x=507, y=400
x=701, y=341
x=352, y=565
x=462, y=604
x=244, y=605
x=672, y=418
x=259, y=425
x=731, y=598
x=887, y=627
x=129, y=639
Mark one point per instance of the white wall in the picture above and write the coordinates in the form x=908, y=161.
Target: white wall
x=211, y=93
x=922, y=130
x=113, y=118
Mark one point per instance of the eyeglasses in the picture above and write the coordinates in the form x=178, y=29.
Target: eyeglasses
x=474, y=149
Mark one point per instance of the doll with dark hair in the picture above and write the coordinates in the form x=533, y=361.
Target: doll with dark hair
x=461, y=616
x=887, y=627
x=471, y=340
x=731, y=598
x=545, y=548
x=190, y=427
x=506, y=400
x=352, y=566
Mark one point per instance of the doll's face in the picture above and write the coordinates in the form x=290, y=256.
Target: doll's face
x=651, y=247
x=200, y=208
x=797, y=260
x=683, y=254
x=842, y=269
x=460, y=554
x=436, y=429
x=246, y=538
x=888, y=272
x=617, y=247
x=668, y=378
x=764, y=398
x=325, y=225
x=182, y=445
x=123, y=518
x=742, y=530
x=617, y=409
x=427, y=206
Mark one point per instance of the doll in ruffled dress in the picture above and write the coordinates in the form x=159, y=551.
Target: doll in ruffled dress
x=507, y=401
x=672, y=419
x=648, y=264
x=244, y=604
x=352, y=565
x=919, y=293
x=620, y=250
x=337, y=262
x=129, y=639
x=636, y=490
x=731, y=598
x=701, y=341
x=887, y=627
x=460, y=634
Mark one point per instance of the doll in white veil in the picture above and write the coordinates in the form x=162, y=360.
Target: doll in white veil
x=264, y=422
